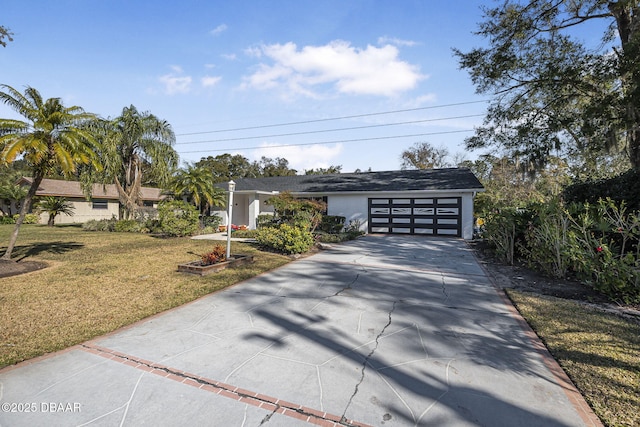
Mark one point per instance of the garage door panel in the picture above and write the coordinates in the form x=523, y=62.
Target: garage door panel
x=427, y=216
x=424, y=211
x=401, y=211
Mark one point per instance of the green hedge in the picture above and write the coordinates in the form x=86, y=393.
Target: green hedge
x=622, y=188
x=285, y=238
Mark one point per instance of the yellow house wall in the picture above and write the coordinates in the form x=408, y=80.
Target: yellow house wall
x=83, y=212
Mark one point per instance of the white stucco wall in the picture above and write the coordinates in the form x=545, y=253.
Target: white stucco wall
x=353, y=207
x=246, y=208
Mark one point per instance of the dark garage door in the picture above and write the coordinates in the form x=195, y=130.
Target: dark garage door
x=437, y=216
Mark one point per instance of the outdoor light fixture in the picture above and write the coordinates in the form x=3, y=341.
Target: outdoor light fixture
x=232, y=187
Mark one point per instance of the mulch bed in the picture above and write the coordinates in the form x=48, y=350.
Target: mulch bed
x=13, y=268
x=522, y=278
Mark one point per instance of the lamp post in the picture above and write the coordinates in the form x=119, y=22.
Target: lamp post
x=232, y=187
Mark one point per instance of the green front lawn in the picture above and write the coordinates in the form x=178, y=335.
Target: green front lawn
x=98, y=282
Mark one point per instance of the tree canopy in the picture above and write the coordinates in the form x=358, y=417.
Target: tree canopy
x=423, y=155
x=324, y=171
x=137, y=149
x=52, y=137
x=553, y=92
x=226, y=166
x=196, y=184
x=5, y=34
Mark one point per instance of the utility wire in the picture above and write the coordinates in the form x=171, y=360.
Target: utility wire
x=328, y=130
x=334, y=118
x=328, y=142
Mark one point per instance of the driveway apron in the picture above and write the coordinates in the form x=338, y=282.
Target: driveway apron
x=381, y=331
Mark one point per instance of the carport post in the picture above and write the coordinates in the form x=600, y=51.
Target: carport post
x=232, y=187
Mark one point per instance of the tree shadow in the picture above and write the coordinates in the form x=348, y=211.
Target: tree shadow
x=59, y=247
x=461, y=313
x=479, y=407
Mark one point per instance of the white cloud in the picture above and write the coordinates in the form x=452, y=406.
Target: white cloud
x=175, y=83
x=301, y=157
x=229, y=56
x=369, y=71
x=395, y=41
x=422, y=100
x=210, y=81
x=253, y=51
x=219, y=29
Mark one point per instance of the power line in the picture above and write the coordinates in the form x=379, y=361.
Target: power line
x=328, y=130
x=334, y=118
x=330, y=142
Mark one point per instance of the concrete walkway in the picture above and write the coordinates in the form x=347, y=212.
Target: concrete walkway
x=382, y=331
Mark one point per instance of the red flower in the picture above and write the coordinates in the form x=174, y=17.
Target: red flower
x=599, y=249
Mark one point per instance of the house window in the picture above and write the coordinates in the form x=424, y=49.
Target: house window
x=147, y=203
x=100, y=204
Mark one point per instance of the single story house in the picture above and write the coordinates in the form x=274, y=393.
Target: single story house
x=103, y=204
x=436, y=202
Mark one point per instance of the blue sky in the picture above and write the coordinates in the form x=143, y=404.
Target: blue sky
x=212, y=67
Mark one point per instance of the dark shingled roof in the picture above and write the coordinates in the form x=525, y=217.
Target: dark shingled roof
x=403, y=180
x=60, y=188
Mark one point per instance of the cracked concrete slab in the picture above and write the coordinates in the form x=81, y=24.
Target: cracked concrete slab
x=393, y=331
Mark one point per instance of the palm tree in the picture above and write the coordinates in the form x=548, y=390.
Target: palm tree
x=196, y=184
x=12, y=194
x=55, y=206
x=135, y=143
x=52, y=137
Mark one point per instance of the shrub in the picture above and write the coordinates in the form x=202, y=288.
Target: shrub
x=548, y=243
x=6, y=219
x=245, y=234
x=301, y=213
x=503, y=228
x=130, y=226
x=607, y=259
x=212, y=221
x=353, y=229
x=331, y=238
x=332, y=224
x=153, y=225
x=178, y=218
x=622, y=188
x=286, y=238
x=28, y=218
x=266, y=220
x=217, y=254
x=100, y=225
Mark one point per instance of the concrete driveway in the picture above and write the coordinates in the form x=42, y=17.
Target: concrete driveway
x=382, y=331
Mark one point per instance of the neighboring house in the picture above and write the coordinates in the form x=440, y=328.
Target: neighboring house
x=435, y=202
x=103, y=203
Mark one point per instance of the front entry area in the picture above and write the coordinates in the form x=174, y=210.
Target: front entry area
x=437, y=216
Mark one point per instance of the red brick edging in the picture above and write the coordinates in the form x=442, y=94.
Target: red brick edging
x=268, y=403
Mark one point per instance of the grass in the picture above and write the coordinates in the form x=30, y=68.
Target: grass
x=600, y=352
x=98, y=282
